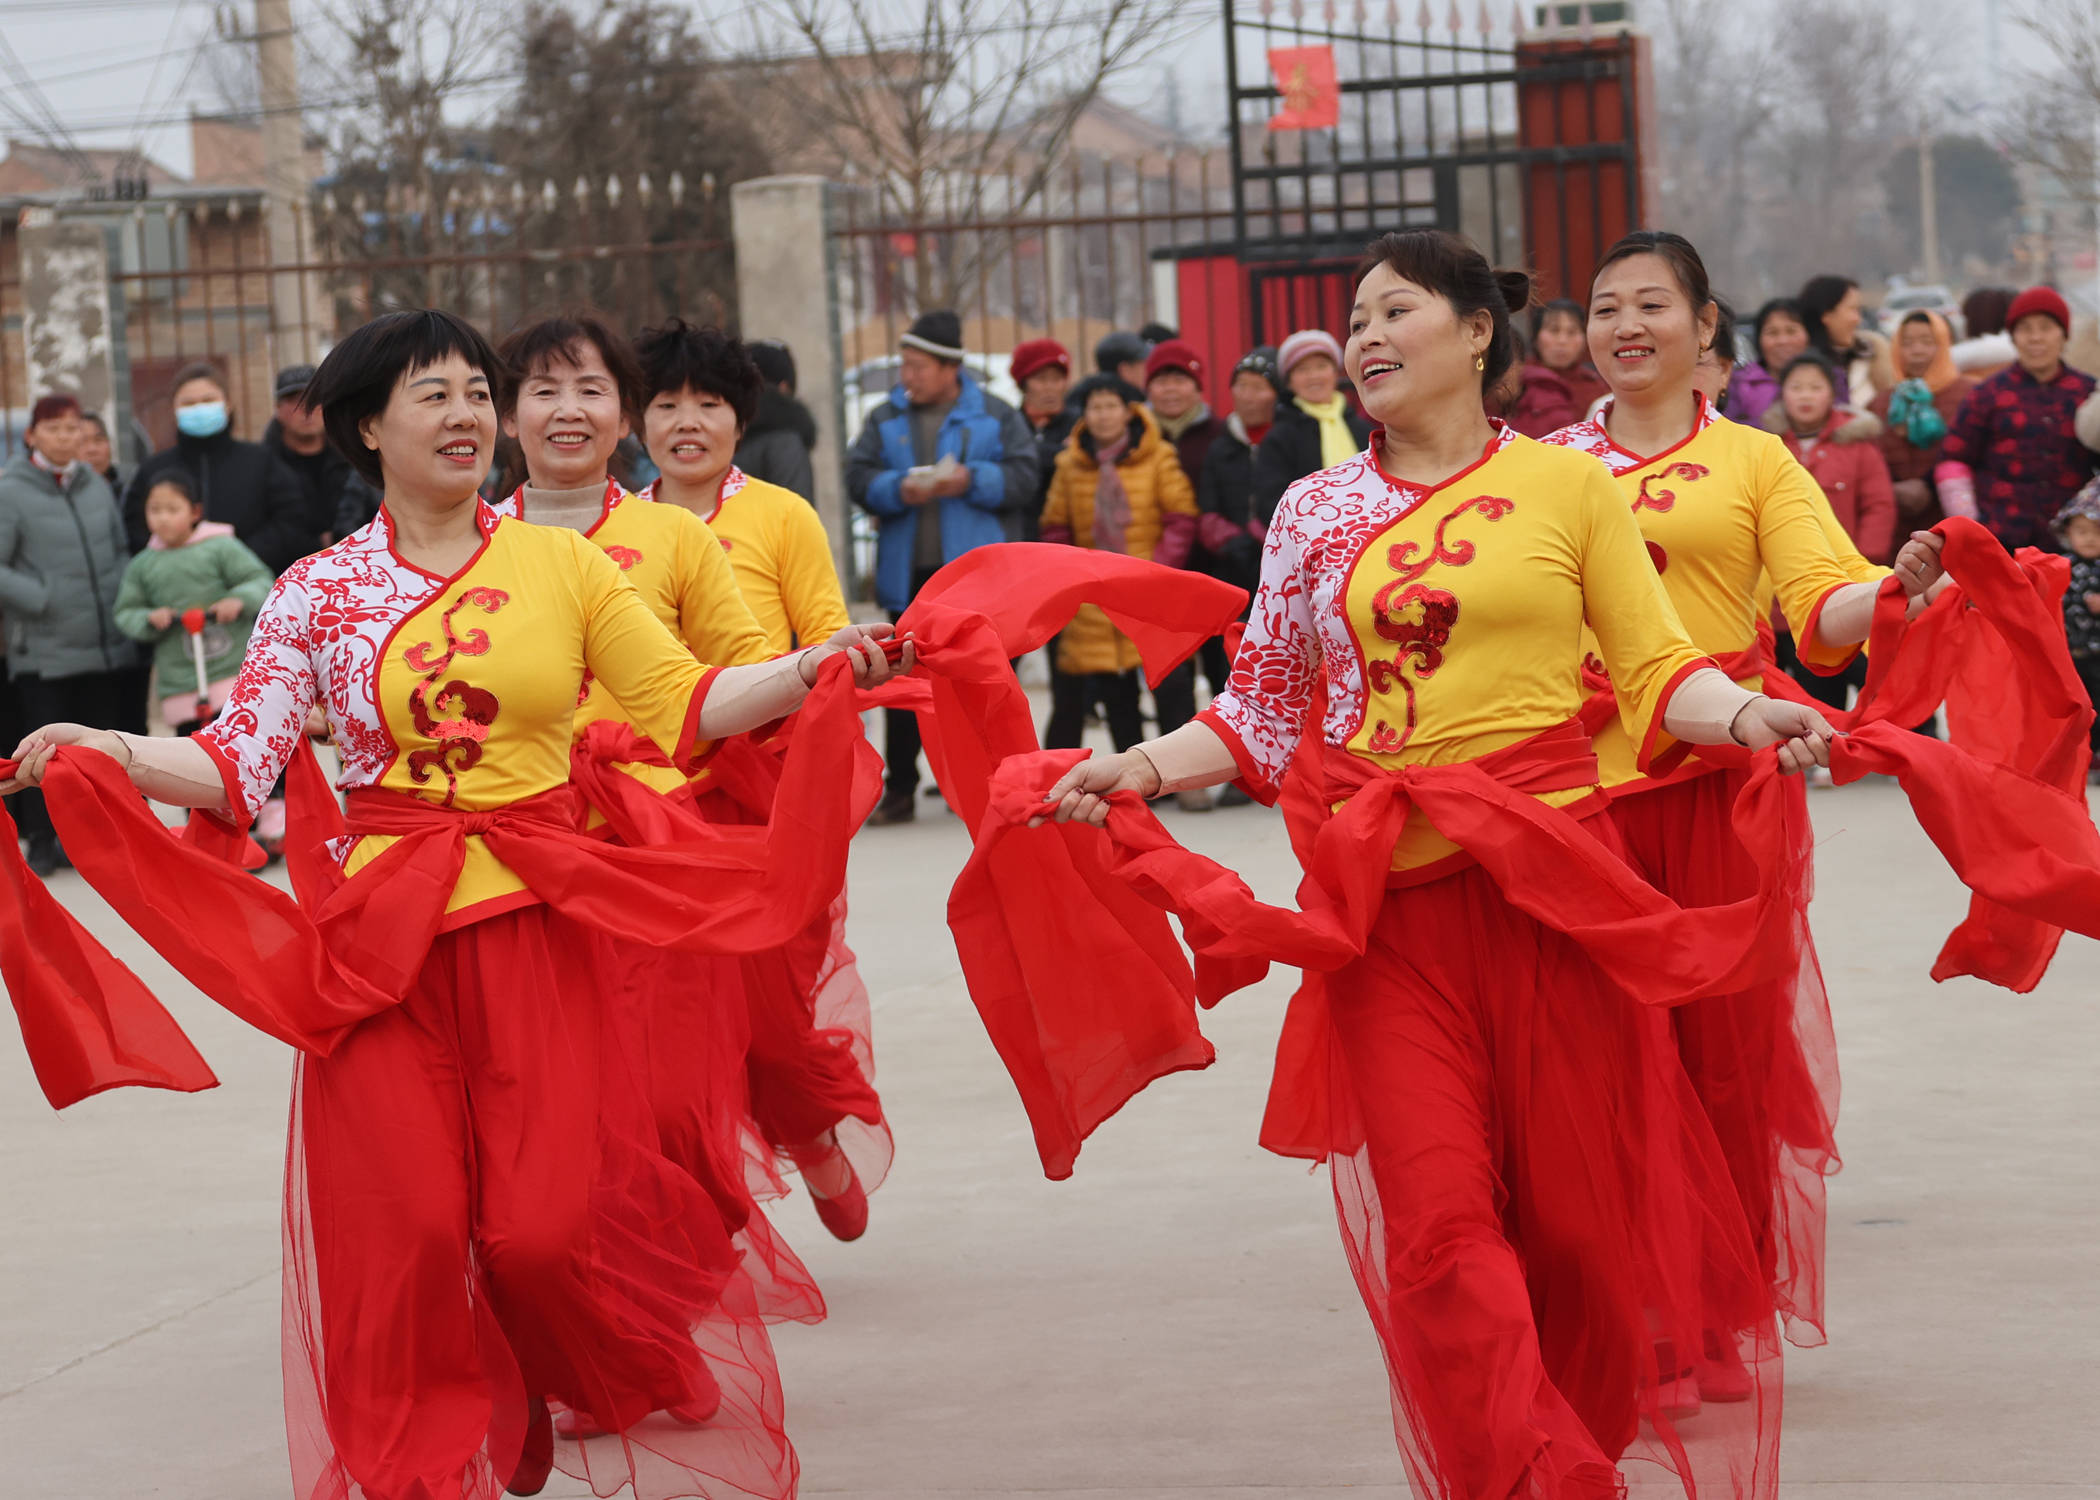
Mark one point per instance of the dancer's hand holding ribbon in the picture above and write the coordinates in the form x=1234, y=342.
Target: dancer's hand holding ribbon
x=1802, y=735
x=1919, y=569
x=33, y=755
x=875, y=651
x=1081, y=794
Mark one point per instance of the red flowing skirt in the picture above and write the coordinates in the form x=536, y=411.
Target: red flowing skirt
x=1764, y=1061
x=810, y=1064
x=476, y=1209
x=1536, y=1212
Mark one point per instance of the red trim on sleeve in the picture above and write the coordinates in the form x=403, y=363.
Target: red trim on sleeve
x=1646, y=759
x=1250, y=780
x=689, y=732
x=236, y=814
x=1805, y=642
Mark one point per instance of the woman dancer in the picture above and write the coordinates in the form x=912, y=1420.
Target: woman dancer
x=577, y=390
x=1720, y=504
x=1520, y=1172
x=810, y=1062
x=478, y=1219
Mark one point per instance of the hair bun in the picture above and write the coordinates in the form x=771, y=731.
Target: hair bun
x=1516, y=290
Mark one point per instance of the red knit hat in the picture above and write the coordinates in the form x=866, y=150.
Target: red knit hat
x=1175, y=354
x=57, y=404
x=1039, y=354
x=2046, y=300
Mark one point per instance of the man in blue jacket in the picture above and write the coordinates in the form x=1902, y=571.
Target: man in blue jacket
x=938, y=465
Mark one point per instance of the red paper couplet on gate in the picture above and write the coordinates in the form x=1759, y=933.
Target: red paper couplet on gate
x=1312, y=96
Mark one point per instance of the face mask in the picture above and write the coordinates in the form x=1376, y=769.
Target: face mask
x=205, y=419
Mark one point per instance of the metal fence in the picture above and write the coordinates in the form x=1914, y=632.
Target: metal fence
x=1086, y=252
x=192, y=278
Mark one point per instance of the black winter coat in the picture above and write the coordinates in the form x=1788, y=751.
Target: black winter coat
x=322, y=475
x=1050, y=439
x=1291, y=451
x=776, y=447
x=1226, y=489
x=244, y=485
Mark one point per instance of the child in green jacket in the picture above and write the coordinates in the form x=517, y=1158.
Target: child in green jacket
x=192, y=564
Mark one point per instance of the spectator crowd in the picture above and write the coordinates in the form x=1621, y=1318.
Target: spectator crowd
x=111, y=581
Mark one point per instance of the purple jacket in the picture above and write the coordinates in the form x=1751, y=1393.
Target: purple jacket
x=1751, y=392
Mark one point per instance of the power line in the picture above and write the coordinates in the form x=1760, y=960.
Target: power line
x=53, y=130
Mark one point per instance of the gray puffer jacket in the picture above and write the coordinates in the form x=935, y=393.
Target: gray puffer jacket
x=62, y=555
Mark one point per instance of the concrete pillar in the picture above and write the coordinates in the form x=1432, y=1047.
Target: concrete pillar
x=786, y=290
x=65, y=308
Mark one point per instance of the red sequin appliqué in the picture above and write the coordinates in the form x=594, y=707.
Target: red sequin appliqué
x=1418, y=619
x=468, y=711
x=1662, y=500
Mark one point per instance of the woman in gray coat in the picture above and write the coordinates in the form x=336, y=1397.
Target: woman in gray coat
x=62, y=555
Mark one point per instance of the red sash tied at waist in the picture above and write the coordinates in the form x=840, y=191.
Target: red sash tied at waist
x=307, y=970
x=1545, y=861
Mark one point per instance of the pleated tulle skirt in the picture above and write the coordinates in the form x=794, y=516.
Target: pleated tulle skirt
x=1763, y=1062
x=477, y=1212
x=810, y=1064
x=1537, y=1213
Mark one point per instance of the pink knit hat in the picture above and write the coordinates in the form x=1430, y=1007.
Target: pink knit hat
x=1306, y=341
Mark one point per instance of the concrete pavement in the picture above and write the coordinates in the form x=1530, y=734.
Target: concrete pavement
x=1174, y=1323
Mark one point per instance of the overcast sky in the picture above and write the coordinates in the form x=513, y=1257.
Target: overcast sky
x=126, y=72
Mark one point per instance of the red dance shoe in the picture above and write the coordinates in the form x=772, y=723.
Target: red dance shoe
x=536, y=1459
x=1722, y=1375
x=845, y=1214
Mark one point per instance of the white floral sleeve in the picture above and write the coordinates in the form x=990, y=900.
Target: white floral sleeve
x=1265, y=703
x=265, y=716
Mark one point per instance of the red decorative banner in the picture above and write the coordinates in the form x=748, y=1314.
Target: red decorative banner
x=1312, y=95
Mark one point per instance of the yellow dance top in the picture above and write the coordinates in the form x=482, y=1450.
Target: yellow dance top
x=674, y=562
x=1449, y=619
x=1719, y=511
x=458, y=690
x=781, y=556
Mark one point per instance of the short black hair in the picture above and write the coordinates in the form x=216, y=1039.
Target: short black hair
x=96, y=418
x=775, y=361
x=179, y=482
x=1777, y=307
x=1558, y=307
x=1811, y=359
x=198, y=369
x=676, y=356
x=1108, y=381
x=358, y=377
x=553, y=341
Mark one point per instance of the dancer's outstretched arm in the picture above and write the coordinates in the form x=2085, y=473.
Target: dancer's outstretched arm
x=176, y=771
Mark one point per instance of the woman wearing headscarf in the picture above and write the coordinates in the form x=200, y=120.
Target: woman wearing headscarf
x=1918, y=412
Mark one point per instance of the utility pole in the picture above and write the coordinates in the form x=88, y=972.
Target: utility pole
x=284, y=179
x=1929, y=201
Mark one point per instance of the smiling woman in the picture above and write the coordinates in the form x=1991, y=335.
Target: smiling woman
x=469, y=1155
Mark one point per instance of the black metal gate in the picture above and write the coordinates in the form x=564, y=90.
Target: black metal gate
x=1526, y=142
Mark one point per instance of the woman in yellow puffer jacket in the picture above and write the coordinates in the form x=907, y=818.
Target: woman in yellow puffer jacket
x=1119, y=486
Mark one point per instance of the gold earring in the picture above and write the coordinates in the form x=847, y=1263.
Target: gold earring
x=1480, y=363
